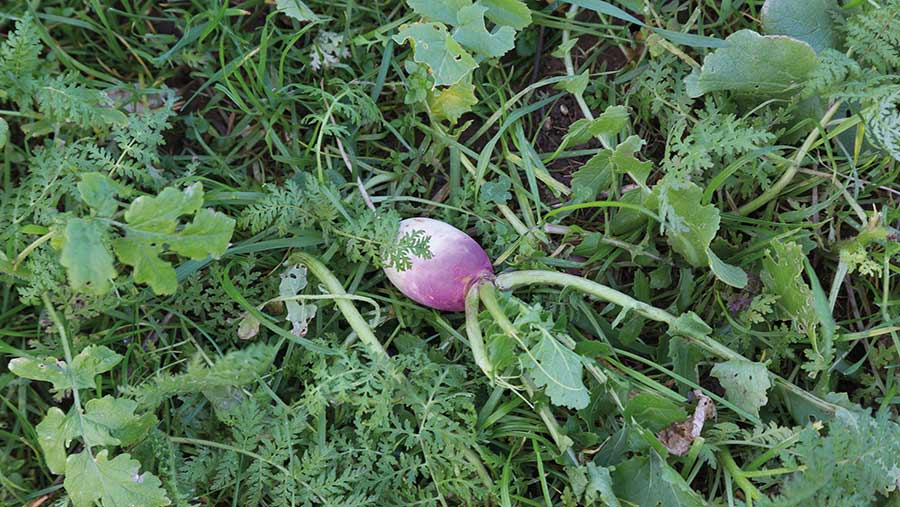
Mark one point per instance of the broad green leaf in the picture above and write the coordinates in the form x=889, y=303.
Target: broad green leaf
x=452, y=102
x=783, y=276
x=745, y=383
x=513, y=13
x=690, y=227
x=88, y=263
x=53, y=438
x=648, y=481
x=496, y=192
x=148, y=267
x=295, y=9
x=206, y=236
x=575, y=84
x=732, y=275
x=4, y=133
x=111, y=483
x=558, y=370
x=609, y=122
x=160, y=214
x=99, y=192
x=443, y=11
x=472, y=33
x=811, y=21
x=689, y=324
x=599, y=487
x=755, y=65
x=624, y=161
x=433, y=46
x=592, y=177
x=90, y=362
x=653, y=411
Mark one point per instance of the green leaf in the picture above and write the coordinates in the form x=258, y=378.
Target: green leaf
x=472, y=33
x=651, y=482
x=513, y=13
x=88, y=263
x=148, y=267
x=496, y=192
x=4, y=133
x=99, y=192
x=755, y=65
x=53, y=437
x=433, y=46
x=689, y=324
x=443, y=11
x=782, y=275
x=295, y=9
x=811, y=21
x=452, y=102
x=653, y=411
x=112, y=483
x=599, y=487
x=160, y=214
x=206, y=236
x=624, y=161
x=745, y=383
x=90, y=362
x=574, y=84
x=609, y=122
x=690, y=227
x=731, y=275
x=592, y=177
x=558, y=370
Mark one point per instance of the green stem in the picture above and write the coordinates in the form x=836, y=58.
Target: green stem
x=30, y=248
x=473, y=331
x=512, y=280
x=788, y=175
x=356, y=321
x=750, y=491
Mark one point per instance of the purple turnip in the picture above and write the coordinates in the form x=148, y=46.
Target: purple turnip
x=441, y=282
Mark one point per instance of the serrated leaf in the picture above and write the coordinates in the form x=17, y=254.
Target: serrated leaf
x=471, y=32
x=755, y=65
x=433, y=46
x=690, y=227
x=443, y=11
x=88, y=263
x=99, y=192
x=811, y=21
x=295, y=9
x=112, y=483
x=558, y=370
x=782, y=275
x=745, y=383
x=513, y=13
x=592, y=177
x=90, y=362
x=650, y=481
x=731, y=275
x=452, y=102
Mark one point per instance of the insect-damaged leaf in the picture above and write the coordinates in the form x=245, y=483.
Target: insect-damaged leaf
x=745, y=383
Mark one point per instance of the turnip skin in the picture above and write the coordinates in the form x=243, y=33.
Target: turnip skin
x=442, y=281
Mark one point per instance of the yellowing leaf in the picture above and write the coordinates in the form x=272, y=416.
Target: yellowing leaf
x=112, y=483
x=433, y=46
x=88, y=263
x=453, y=102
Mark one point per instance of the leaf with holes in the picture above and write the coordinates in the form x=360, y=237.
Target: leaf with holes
x=745, y=383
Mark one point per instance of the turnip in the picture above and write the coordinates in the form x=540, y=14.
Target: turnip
x=441, y=281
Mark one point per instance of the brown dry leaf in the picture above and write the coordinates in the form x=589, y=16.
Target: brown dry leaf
x=678, y=437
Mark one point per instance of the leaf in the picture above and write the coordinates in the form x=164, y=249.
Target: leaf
x=648, y=481
x=90, y=362
x=99, y=191
x=745, y=383
x=689, y=324
x=609, y=122
x=434, y=47
x=472, y=33
x=599, y=487
x=592, y=177
x=811, y=21
x=88, y=263
x=512, y=13
x=653, y=411
x=755, y=65
x=496, y=192
x=148, y=267
x=624, y=161
x=4, y=133
x=443, y=11
x=112, y=483
x=731, y=275
x=452, y=102
x=54, y=438
x=782, y=275
x=690, y=227
x=558, y=370
x=679, y=437
x=574, y=84
x=206, y=236
x=160, y=214
x=295, y=9
x=293, y=280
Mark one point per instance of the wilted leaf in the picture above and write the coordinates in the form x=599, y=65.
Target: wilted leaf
x=653, y=411
x=745, y=383
x=811, y=21
x=293, y=280
x=756, y=65
x=452, y=102
x=678, y=437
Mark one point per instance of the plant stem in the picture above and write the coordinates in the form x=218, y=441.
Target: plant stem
x=512, y=280
x=473, y=331
x=356, y=321
x=750, y=491
x=773, y=191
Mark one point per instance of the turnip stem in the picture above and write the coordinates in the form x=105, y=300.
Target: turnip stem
x=473, y=331
x=356, y=321
x=512, y=280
